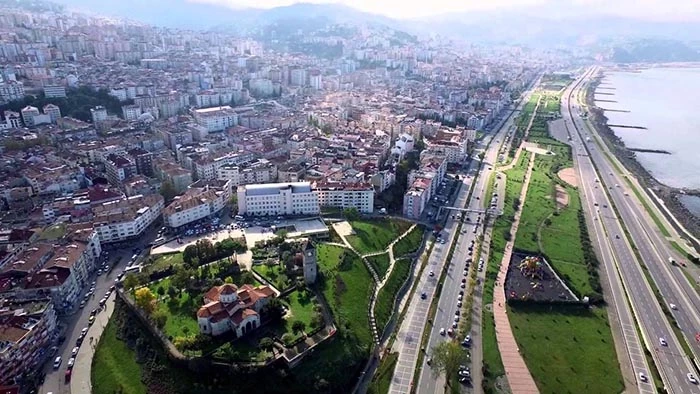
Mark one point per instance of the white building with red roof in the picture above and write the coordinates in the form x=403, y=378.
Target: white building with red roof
x=229, y=308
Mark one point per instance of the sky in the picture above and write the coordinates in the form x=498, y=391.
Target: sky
x=666, y=10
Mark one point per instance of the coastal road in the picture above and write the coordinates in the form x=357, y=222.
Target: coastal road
x=448, y=302
x=670, y=359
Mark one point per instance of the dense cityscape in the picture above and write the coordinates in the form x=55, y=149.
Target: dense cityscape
x=322, y=208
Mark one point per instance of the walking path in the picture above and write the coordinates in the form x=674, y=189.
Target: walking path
x=80, y=379
x=378, y=283
x=519, y=378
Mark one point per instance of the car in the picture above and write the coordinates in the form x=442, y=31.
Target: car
x=454, y=325
x=605, y=205
x=99, y=272
x=673, y=306
x=450, y=332
x=459, y=304
x=459, y=298
x=84, y=331
x=595, y=204
x=71, y=361
x=663, y=342
x=93, y=312
x=464, y=380
x=457, y=312
x=82, y=304
x=429, y=361
x=74, y=351
x=617, y=236
x=442, y=332
x=431, y=274
x=57, y=362
x=91, y=320
x=464, y=280
x=442, y=241
x=111, y=288
x=423, y=296
x=465, y=373
x=79, y=341
x=466, y=272
x=461, y=292
x=643, y=377
x=68, y=374
x=691, y=378
x=462, y=285
x=456, y=318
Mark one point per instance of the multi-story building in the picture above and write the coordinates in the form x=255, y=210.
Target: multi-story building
x=131, y=112
x=143, y=160
x=51, y=91
x=294, y=198
x=423, y=183
x=13, y=120
x=126, y=218
x=99, y=114
x=53, y=111
x=255, y=171
x=26, y=329
x=197, y=203
x=119, y=168
x=341, y=195
x=28, y=114
x=216, y=118
x=11, y=90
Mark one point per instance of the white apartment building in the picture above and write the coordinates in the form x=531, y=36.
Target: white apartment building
x=131, y=112
x=359, y=196
x=53, y=111
x=28, y=114
x=293, y=198
x=54, y=91
x=216, y=118
x=99, y=114
x=255, y=171
x=127, y=218
x=11, y=90
x=197, y=203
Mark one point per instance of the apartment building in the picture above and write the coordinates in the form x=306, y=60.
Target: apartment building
x=197, y=203
x=126, y=218
x=119, y=168
x=255, y=171
x=216, y=118
x=293, y=198
x=423, y=183
x=51, y=91
x=26, y=328
x=341, y=195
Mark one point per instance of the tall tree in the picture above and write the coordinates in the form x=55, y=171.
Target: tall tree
x=447, y=357
x=145, y=299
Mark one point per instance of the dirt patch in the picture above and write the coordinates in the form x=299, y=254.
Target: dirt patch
x=343, y=228
x=568, y=175
x=562, y=197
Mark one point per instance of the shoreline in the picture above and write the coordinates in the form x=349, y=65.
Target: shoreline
x=626, y=156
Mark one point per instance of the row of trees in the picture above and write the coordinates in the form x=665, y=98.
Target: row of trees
x=204, y=251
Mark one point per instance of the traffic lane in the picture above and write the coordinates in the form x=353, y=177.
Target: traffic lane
x=654, y=321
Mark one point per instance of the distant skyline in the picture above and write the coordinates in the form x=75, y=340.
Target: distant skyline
x=656, y=10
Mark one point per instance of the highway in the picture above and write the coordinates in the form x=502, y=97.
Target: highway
x=447, y=304
x=614, y=245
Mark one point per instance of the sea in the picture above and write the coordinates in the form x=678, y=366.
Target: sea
x=665, y=102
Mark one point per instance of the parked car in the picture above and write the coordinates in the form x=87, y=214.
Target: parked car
x=57, y=362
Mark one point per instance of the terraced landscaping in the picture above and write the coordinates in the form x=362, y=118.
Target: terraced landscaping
x=376, y=235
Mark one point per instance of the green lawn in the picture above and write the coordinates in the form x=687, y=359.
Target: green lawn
x=385, y=299
x=380, y=263
x=114, y=366
x=376, y=235
x=54, y=232
x=162, y=262
x=560, y=241
x=181, y=311
x=302, y=308
x=410, y=243
x=346, y=289
x=382, y=378
x=567, y=349
x=275, y=274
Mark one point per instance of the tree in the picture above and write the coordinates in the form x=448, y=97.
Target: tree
x=274, y=309
x=130, y=281
x=167, y=190
x=161, y=291
x=145, y=299
x=172, y=292
x=159, y=318
x=266, y=343
x=351, y=214
x=228, y=279
x=298, y=326
x=447, y=357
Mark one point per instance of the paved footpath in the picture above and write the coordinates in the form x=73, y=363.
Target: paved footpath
x=519, y=378
x=80, y=381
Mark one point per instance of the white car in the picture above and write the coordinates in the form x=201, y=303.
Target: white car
x=75, y=351
x=71, y=361
x=691, y=378
x=442, y=332
x=643, y=377
x=663, y=342
x=673, y=306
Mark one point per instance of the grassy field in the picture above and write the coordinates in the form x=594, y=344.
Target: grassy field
x=181, y=311
x=382, y=378
x=551, y=231
x=275, y=274
x=301, y=307
x=346, y=289
x=380, y=263
x=567, y=349
x=54, y=232
x=410, y=243
x=376, y=235
x=385, y=299
x=162, y=262
x=114, y=366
